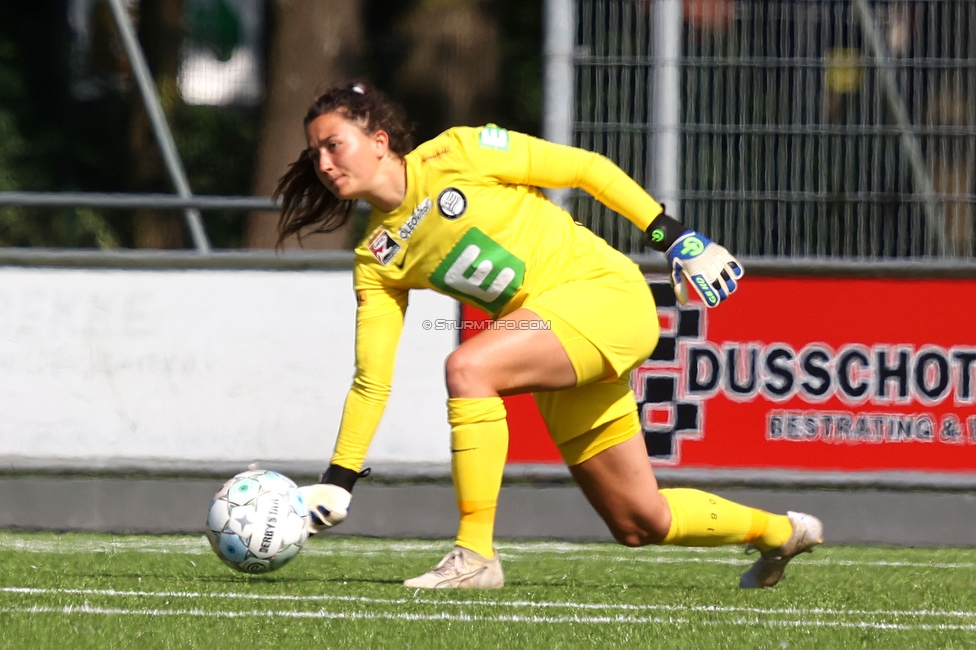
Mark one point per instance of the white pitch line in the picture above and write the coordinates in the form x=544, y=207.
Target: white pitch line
x=825, y=562
x=335, y=545
x=522, y=604
x=562, y=551
x=627, y=620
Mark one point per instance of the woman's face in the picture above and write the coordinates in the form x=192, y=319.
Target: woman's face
x=346, y=158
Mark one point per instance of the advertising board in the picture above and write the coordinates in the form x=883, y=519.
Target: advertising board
x=174, y=369
x=810, y=374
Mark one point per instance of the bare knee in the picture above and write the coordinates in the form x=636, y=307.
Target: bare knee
x=633, y=534
x=650, y=525
x=631, y=538
x=465, y=375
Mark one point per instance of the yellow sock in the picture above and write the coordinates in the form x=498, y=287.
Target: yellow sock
x=702, y=519
x=479, y=447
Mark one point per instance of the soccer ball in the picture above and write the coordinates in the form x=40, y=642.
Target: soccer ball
x=258, y=521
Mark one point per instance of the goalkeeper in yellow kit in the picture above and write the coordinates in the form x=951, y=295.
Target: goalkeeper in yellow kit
x=463, y=214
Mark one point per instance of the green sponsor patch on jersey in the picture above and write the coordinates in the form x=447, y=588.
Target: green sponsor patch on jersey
x=493, y=137
x=480, y=269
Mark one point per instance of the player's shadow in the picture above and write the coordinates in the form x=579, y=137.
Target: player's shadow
x=364, y=581
x=256, y=579
x=205, y=579
x=602, y=586
x=289, y=579
x=142, y=575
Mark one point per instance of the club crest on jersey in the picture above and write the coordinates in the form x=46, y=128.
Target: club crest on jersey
x=410, y=224
x=452, y=203
x=383, y=247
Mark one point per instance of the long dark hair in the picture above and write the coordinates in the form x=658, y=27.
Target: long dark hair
x=307, y=206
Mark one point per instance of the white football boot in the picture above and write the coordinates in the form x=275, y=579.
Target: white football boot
x=768, y=569
x=462, y=569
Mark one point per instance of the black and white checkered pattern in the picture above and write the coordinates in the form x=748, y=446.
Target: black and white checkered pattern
x=665, y=419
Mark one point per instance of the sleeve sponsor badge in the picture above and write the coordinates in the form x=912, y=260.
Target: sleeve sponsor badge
x=493, y=137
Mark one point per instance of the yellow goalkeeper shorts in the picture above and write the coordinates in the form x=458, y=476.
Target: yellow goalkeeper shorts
x=608, y=326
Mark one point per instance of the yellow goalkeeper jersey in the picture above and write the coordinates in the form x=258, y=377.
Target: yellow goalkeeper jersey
x=474, y=225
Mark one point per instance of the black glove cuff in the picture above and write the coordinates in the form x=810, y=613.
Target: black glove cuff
x=663, y=232
x=342, y=476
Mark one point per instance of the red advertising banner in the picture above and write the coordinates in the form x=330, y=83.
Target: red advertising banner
x=816, y=374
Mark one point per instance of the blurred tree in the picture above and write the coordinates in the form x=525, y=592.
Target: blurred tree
x=37, y=135
x=218, y=145
x=401, y=35
x=446, y=61
x=72, y=119
x=12, y=145
x=451, y=65
x=13, y=221
x=214, y=25
x=161, y=36
x=519, y=97
x=314, y=45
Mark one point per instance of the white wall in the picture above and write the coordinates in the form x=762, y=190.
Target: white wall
x=203, y=365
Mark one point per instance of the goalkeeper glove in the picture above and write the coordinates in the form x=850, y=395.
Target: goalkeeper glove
x=328, y=500
x=695, y=260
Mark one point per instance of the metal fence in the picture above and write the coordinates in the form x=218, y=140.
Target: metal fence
x=824, y=129
x=805, y=130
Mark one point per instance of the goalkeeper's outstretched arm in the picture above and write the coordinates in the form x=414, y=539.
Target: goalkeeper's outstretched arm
x=379, y=323
x=695, y=260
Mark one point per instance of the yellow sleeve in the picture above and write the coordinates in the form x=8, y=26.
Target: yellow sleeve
x=531, y=161
x=379, y=323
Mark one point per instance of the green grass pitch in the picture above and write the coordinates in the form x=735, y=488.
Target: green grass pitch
x=101, y=591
